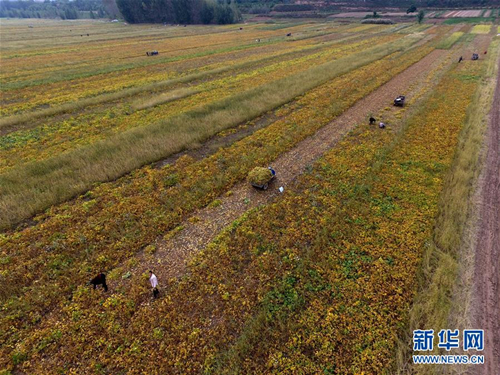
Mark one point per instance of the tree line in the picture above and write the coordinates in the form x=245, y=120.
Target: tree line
x=179, y=11
x=63, y=9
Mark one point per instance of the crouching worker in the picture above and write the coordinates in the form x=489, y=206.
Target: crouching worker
x=154, y=284
x=100, y=279
x=372, y=120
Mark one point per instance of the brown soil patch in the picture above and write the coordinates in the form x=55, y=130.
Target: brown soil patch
x=486, y=311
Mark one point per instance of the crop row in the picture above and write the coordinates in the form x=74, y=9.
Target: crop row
x=50, y=181
x=89, y=53
x=114, y=221
x=53, y=137
x=102, y=76
x=163, y=68
x=120, y=58
x=59, y=93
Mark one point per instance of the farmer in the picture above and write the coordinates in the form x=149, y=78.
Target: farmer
x=100, y=279
x=154, y=284
x=381, y=125
x=460, y=59
x=273, y=172
x=372, y=120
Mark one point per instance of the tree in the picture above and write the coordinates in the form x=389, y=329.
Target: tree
x=223, y=14
x=70, y=14
x=207, y=12
x=111, y=8
x=420, y=16
x=182, y=11
x=179, y=11
x=411, y=9
x=132, y=10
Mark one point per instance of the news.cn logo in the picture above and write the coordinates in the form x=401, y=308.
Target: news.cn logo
x=471, y=340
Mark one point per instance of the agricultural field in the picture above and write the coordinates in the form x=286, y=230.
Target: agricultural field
x=449, y=16
x=117, y=162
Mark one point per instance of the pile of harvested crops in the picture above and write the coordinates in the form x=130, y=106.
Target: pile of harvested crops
x=259, y=176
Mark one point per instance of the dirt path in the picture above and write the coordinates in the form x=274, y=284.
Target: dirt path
x=170, y=259
x=486, y=311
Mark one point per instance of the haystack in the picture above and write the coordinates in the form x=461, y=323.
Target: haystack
x=259, y=176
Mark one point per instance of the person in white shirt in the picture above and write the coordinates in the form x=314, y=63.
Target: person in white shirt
x=154, y=284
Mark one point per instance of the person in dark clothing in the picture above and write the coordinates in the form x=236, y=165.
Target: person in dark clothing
x=460, y=59
x=372, y=120
x=100, y=279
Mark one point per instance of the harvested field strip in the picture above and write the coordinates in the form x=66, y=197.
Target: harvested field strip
x=481, y=29
x=151, y=64
x=365, y=28
x=470, y=20
x=163, y=98
x=89, y=63
x=50, y=181
x=469, y=13
x=43, y=142
x=285, y=285
x=58, y=93
x=116, y=220
x=131, y=47
x=204, y=46
x=97, y=71
x=450, y=41
x=56, y=34
x=151, y=75
x=447, y=296
x=134, y=85
x=415, y=29
x=49, y=44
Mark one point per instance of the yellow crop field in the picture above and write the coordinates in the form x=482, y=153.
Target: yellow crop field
x=117, y=162
x=481, y=29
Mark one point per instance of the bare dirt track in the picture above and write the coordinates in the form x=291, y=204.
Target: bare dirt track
x=170, y=259
x=486, y=312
